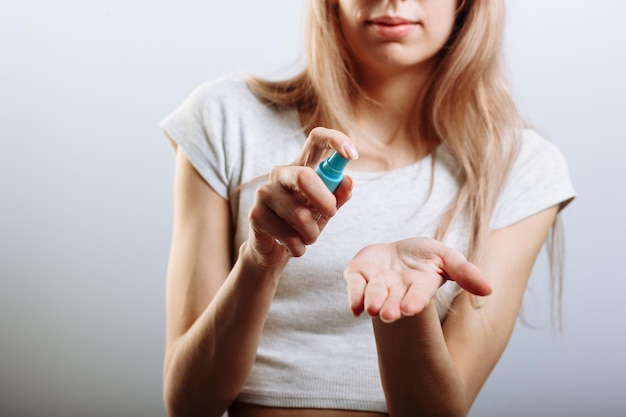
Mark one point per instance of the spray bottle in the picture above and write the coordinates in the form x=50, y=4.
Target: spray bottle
x=331, y=170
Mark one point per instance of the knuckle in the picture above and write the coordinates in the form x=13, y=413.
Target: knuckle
x=274, y=174
x=301, y=215
x=262, y=192
x=310, y=239
x=303, y=176
x=256, y=214
x=316, y=133
x=258, y=191
x=297, y=249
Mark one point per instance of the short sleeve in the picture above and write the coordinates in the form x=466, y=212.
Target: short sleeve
x=197, y=126
x=539, y=179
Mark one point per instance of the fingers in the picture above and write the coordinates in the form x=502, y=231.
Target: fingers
x=295, y=206
x=303, y=184
x=287, y=216
x=356, y=289
x=419, y=294
x=390, y=310
x=398, y=295
x=466, y=274
x=292, y=209
x=343, y=193
x=378, y=295
x=319, y=141
x=399, y=279
x=271, y=230
x=377, y=291
x=449, y=263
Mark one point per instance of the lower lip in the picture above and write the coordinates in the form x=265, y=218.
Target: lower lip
x=393, y=31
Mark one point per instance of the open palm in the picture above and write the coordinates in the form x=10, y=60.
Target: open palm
x=398, y=279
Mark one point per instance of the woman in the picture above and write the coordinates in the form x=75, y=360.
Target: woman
x=440, y=165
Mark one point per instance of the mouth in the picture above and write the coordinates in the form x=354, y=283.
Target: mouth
x=392, y=27
x=390, y=21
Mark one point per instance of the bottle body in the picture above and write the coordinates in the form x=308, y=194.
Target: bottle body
x=331, y=171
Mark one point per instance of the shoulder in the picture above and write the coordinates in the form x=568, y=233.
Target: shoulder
x=229, y=92
x=223, y=109
x=539, y=178
x=538, y=162
x=229, y=104
x=536, y=150
x=209, y=105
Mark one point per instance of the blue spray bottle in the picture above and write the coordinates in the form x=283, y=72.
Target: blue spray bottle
x=331, y=170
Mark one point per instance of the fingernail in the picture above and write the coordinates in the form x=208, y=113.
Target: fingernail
x=384, y=320
x=351, y=150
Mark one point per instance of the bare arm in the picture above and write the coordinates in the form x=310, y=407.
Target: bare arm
x=427, y=369
x=216, y=310
x=214, y=314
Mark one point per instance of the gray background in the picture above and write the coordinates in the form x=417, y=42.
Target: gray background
x=86, y=193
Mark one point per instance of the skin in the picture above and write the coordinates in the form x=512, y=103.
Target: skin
x=392, y=70
x=216, y=309
x=382, y=55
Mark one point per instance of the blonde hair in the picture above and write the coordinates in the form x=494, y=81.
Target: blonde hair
x=469, y=108
x=466, y=105
x=322, y=93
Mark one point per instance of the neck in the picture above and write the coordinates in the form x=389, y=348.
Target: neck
x=389, y=103
x=383, y=117
x=396, y=91
x=393, y=95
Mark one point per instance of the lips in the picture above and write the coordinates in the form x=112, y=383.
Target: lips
x=391, y=21
x=392, y=27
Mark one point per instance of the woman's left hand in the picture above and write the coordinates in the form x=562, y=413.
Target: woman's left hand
x=401, y=278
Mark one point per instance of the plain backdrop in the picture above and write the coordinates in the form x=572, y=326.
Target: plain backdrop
x=86, y=193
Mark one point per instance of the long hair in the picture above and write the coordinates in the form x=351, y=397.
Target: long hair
x=466, y=105
x=324, y=92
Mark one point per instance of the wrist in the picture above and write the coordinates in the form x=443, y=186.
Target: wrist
x=256, y=264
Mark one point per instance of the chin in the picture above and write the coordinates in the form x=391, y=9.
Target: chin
x=399, y=62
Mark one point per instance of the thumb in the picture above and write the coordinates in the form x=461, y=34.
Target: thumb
x=466, y=274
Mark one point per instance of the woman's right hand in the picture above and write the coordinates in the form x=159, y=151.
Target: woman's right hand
x=291, y=210
x=216, y=310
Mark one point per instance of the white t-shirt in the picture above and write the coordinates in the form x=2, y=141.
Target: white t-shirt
x=313, y=353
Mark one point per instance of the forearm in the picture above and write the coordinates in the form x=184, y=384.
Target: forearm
x=207, y=366
x=418, y=375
